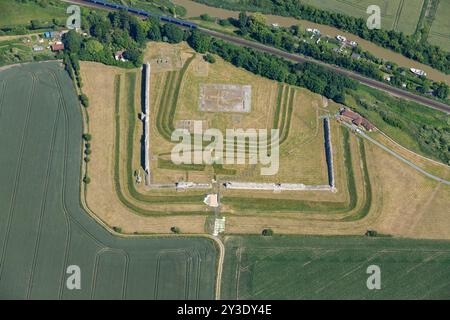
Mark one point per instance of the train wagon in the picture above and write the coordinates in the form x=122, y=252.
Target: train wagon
x=168, y=19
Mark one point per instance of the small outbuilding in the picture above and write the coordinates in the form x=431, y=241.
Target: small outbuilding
x=356, y=119
x=119, y=56
x=58, y=46
x=38, y=48
x=211, y=200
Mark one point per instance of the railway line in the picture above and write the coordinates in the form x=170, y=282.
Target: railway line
x=271, y=50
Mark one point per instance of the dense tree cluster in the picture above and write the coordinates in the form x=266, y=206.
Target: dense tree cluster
x=293, y=40
x=311, y=76
x=255, y=26
x=35, y=24
x=433, y=137
x=394, y=40
x=118, y=31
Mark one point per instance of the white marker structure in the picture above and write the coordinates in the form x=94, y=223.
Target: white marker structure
x=146, y=119
x=275, y=186
x=219, y=226
x=192, y=185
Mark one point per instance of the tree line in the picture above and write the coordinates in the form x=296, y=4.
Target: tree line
x=292, y=40
x=118, y=31
x=309, y=75
x=397, y=41
x=121, y=31
x=431, y=133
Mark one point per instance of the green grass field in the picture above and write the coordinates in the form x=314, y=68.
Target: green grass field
x=304, y=125
x=440, y=30
x=14, y=13
x=17, y=51
x=129, y=130
x=334, y=268
x=43, y=228
x=400, y=15
x=403, y=121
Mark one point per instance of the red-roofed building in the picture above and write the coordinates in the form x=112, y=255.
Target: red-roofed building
x=57, y=46
x=356, y=119
x=367, y=125
x=347, y=113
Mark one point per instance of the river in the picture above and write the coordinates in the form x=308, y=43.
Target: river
x=195, y=9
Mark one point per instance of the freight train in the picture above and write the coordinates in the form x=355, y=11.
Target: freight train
x=144, y=13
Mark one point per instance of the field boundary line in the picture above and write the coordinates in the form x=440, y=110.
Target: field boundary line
x=220, y=261
x=125, y=274
x=351, y=270
x=44, y=200
x=17, y=175
x=94, y=273
x=70, y=216
x=2, y=95
x=65, y=129
x=238, y=270
x=440, y=34
x=98, y=255
x=398, y=15
x=425, y=261
x=196, y=255
x=187, y=271
x=412, y=152
x=388, y=250
x=401, y=158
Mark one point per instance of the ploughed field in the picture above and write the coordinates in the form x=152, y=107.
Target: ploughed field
x=44, y=229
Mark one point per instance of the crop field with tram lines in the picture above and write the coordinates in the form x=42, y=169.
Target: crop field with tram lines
x=43, y=228
x=314, y=267
x=399, y=15
x=132, y=240
x=440, y=29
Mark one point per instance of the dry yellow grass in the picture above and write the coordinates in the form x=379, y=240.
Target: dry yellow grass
x=437, y=168
x=341, y=196
x=404, y=203
x=411, y=204
x=304, y=145
x=101, y=197
x=264, y=94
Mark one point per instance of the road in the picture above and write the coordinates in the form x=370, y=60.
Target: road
x=297, y=58
x=364, y=80
x=221, y=248
x=409, y=163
